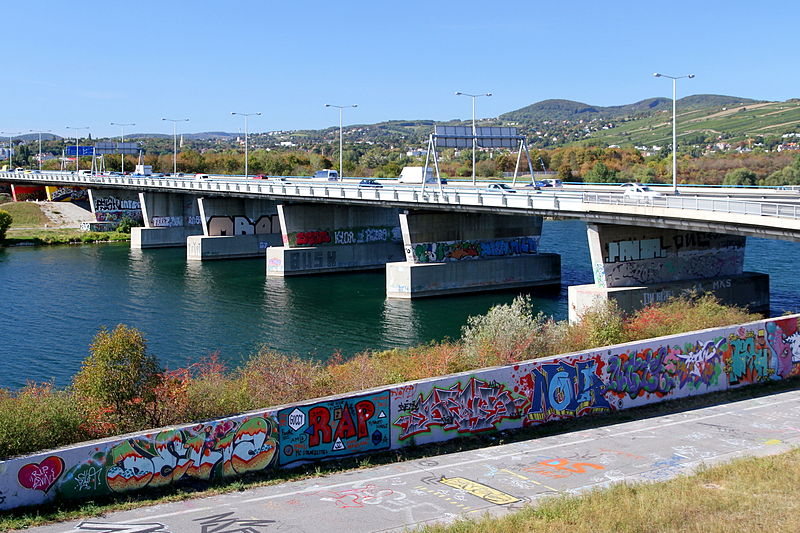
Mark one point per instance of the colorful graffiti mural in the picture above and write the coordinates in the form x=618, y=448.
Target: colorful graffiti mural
x=566, y=390
x=359, y=235
x=335, y=428
x=206, y=451
x=431, y=410
x=470, y=407
x=438, y=252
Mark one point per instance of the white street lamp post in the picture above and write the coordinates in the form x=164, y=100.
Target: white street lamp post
x=245, y=115
x=10, y=134
x=474, y=131
x=674, y=128
x=122, y=149
x=77, y=148
x=340, y=107
x=175, y=141
x=40, y=145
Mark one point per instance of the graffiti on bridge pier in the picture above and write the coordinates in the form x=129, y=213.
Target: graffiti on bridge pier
x=437, y=252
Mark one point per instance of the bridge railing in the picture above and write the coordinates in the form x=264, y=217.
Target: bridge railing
x=695, y=203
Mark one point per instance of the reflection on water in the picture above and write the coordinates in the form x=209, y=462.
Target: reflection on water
x=58, y=297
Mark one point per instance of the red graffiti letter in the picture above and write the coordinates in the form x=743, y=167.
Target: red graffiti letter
x=319, y=422
x=364, y=411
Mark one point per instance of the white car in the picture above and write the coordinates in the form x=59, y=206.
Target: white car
x=637, y=191
x=499, y=187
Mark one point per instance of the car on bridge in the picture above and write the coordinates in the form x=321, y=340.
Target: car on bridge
x=499, y=187
x=558, y=184
x=370, y=183
x=637, y=191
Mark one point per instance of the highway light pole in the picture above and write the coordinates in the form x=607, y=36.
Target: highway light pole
x=674, y=128
x=474, y=140
x=121, y=150
x=175, y=141
x=245, y=115
x=10, y=134
x=340, y=107
x=40, y=145
x=77, y=148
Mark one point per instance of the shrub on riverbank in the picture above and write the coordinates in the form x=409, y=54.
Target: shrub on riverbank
x=5, y=222
x=122, y=388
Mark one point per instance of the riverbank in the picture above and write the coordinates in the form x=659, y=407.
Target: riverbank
x=44, y=223
x=121, y=387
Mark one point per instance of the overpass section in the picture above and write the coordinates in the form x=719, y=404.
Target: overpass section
x=454, y=239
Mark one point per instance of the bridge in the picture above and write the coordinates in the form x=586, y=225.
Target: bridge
x=457, y=238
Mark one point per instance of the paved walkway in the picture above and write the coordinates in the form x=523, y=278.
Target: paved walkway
x=497, y=479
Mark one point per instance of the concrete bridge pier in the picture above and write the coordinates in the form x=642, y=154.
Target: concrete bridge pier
x=169, y=218
x=321, y=238
x=448, y=253
x=636, y=266
x=234, y=228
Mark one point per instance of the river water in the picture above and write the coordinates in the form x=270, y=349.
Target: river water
x=53, y=299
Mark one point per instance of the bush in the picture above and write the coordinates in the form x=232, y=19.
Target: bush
x=38, y=417
x=508, y=333
x=126, y=224
x=685, y=313
x=120, y=377
x=5, y=222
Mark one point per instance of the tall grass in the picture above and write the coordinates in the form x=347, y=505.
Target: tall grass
x=207, y=389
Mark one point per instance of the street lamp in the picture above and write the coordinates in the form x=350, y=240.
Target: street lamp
x=122, y=149
x=175, y=141
x=10, y=135
x=674, y=129
x=474, y=131
x=245, y=115
x=77, y=148
x=40, y=145
x=340, y=107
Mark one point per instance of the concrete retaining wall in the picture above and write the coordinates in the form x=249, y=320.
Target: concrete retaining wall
x=430, y=410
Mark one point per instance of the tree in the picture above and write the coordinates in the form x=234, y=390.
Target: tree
x=5, y=222
x=740, y=176
x=789, y=175
x=119, y=375
x=600, y=173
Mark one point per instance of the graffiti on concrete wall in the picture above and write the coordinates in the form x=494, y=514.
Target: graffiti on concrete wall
x=335, y=428
x=242, y=225
x=669, y=255
x=360, y=235
x=562, y=390
x=175, y=221
x=113, y=209
x=208, y=451
x=67, y=194
x=441, y=408
x=463, y=407
x=438, y=252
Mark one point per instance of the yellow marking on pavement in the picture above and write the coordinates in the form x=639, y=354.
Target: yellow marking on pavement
x=773, y=441
x=480, y=490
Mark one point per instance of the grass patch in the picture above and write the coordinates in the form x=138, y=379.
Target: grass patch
x=751, y=494
x=60, y=236
x=25, y=215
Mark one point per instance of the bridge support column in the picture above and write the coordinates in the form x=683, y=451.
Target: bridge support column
x=636, y=266
x=234, y=228
x=450, y=253
x=321, y=238
x=169, y=218
x=110, y=207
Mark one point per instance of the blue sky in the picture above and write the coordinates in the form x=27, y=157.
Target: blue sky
x=90, y=63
